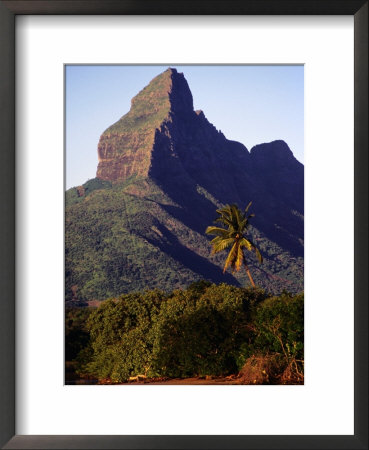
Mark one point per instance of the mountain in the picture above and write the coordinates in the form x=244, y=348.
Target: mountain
x=163, y=171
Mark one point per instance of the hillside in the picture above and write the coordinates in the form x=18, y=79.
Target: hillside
x=163, y=171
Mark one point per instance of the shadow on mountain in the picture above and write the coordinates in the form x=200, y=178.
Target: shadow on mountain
x=188, y=258
x=281, y=237
x=196, y=222
x=197, y=213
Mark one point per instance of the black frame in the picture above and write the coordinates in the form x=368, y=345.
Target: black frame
x=8, y=11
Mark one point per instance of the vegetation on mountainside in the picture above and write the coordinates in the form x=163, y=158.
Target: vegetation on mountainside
x=205, y=330
x=77, y=194
x=131, y=236
x=233, y=235
x=149, y=108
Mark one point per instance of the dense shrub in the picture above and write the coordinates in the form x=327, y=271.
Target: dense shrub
x=203, y=330
x=201, y=335
x=278, y=329
x=76, y=334
x=120, y=336
x=278, y=323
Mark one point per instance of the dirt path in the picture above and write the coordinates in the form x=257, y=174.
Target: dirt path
x=191, y=381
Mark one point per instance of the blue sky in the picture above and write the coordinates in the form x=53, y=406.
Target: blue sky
x=249, y=104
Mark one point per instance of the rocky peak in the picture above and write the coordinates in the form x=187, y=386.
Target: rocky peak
x=169, y=90
x=275, y=155
x=125, y=147
x=282, y=173
x=272, y=150
x=179, y=95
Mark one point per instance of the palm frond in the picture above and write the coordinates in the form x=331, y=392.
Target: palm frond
x=220, y=244
x=249, y=245
x=258, y=254
x=257, y=251
x=243, y=224
x=247, y=207
x=240, y=258
x=216, y=231
x=245, y=243
x=230, y=261
x=225, y=215
x=225, y=211
x=236, y=217
x=224, y=220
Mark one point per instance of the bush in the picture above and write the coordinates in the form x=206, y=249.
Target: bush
x=203, y=330
x=278, y=324
x=193, y=337
x=262, y=369
x=120, y=338
x=76, y=334
x=278, y=327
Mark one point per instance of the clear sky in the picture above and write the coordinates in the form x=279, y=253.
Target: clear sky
x=249, y=104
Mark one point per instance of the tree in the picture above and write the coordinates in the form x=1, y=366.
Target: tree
x=233, y=235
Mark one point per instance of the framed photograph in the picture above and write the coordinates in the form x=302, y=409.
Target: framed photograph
x=173, y=271
x=145, y=202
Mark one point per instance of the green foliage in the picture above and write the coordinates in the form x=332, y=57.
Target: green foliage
x=279, y=326
x=203, y=330
x=149, y=108
x=76, y=334
x=73, y=196
x=95, y=184
x=201, y=333
x=120, y=338
x=113, y=243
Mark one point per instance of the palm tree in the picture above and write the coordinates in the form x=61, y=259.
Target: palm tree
x=234, y=236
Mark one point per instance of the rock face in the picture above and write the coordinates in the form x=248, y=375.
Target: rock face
x=125, y=148
x=162, y=132
x=164, y=139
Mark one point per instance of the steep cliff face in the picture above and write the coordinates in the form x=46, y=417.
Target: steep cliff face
x=125, y=148
x=163, y=135
x=188, y=150
x=282, y=174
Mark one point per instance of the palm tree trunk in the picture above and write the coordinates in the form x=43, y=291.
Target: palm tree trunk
x=249, y=274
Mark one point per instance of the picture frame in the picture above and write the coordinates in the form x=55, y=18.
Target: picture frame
x=8, y=11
